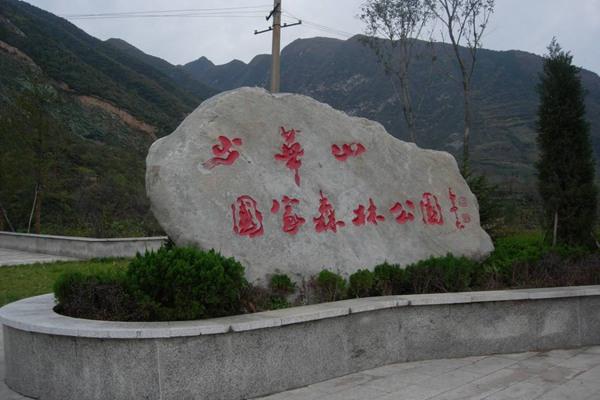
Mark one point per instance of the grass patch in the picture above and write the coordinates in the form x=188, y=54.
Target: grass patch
x=21, y=281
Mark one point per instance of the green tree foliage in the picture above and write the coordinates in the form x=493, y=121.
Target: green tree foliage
x=566, y=164
x=490, y=210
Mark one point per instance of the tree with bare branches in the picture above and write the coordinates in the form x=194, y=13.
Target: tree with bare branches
x=393, y=28
x=464, y=22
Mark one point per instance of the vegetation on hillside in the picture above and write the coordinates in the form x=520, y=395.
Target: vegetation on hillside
x=77, y=116
x=92, y=67
x=86, y=166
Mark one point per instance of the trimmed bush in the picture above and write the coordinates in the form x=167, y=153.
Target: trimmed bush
x=331, y=286
x=441, y=274
x=101, y=296
x=185, y=283
x=361, y=283
x=281, y=285
x=389, y=279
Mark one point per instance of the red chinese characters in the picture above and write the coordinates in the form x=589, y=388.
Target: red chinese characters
x=371, y=215
x=291, y=152
x=431, y=210
x=326, y=220
x=462, y=202
x=347, y=150
x=224, y=154
x=247, y=219
x=403, y=215
x=291, y=222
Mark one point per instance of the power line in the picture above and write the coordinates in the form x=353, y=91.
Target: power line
x=192, y=15
x=321, y=27
x=250, y=11
x=256, y=7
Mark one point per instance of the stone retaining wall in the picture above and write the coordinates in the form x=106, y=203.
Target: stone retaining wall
x=79, y=247
x=49, y=356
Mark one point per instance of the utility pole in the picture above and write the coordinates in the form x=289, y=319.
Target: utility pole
x=276, y=44
x=276, y=48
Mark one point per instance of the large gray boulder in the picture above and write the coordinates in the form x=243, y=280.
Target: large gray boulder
x=287, y=184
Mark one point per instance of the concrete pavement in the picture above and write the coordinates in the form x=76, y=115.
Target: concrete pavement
x=551, y=375
x=18, y=257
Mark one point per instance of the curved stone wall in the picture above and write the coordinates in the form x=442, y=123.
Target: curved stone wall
x=49, y=356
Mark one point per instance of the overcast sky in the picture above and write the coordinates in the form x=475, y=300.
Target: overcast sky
x=517, y=24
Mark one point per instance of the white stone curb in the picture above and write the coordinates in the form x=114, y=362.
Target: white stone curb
x=35, y=314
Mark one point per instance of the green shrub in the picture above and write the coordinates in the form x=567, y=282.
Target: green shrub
x=389, y=279
x=331, y=286
x=361, y=283
x=185, y=283
x=441, y=274
x=96, y=296
x=526, y=260
x=523, y=248
x=571, y=253
x=281, y=285
x=277, y=303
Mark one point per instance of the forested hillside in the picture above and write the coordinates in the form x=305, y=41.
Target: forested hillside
x=346, y=75
x=77, y=116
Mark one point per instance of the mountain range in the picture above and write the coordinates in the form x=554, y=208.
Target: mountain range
x=346, y=75
x=109, y=101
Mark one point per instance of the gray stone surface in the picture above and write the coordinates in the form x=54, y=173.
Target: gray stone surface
x=590, y=319
x=199, y=203
x=489, y=378
x=253, y=355
x=18, y=257
x=66, y=247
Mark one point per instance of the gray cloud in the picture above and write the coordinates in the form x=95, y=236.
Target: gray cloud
x=517, y=24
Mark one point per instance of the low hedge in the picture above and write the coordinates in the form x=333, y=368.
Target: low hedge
x=169, y=284
x=186, y=283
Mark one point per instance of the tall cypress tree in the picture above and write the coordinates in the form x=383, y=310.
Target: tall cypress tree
x=566, y=164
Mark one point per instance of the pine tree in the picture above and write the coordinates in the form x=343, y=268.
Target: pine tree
x=566, y=164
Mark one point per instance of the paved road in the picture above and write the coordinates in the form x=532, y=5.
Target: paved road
x=17, y=257
x=553, y=375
